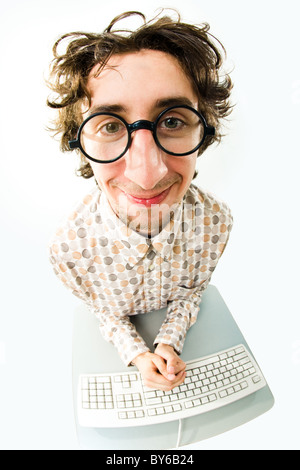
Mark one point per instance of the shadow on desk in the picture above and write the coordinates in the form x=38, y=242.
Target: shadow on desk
x=214, y=330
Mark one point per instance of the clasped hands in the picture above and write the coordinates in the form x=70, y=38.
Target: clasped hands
x=163, y=369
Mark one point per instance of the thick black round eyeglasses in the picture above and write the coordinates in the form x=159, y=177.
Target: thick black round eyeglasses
x=106, y=137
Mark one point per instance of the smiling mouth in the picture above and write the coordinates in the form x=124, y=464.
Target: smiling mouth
x=148, y=200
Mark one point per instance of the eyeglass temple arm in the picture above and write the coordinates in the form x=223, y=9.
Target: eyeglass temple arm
x=73, y=144
x=210, y=130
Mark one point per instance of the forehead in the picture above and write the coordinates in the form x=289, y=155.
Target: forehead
x=140, y=80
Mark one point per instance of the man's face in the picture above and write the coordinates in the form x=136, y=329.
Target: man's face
x=146, y=182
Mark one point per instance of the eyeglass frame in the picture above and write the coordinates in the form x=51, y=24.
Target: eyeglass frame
x=142, y=124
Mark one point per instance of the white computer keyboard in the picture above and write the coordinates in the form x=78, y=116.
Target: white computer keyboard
x=122, y=400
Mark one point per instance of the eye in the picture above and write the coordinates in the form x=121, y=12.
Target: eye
x=171, y=123
x=111, y=127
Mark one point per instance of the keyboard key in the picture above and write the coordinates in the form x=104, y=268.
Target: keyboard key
x=166, y=399
x=256, y=379
x=151, y=394
x=153, y=401
x=223, y=356
x=189, y=404
x=240, y=356
x=168, y=409
x=177, y=407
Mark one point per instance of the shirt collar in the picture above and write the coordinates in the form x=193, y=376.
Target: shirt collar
x=134, y=245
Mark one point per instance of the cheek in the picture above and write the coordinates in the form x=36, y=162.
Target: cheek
x=183, y=166
x=104, y=173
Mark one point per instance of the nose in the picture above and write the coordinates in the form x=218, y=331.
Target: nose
x=144, y=160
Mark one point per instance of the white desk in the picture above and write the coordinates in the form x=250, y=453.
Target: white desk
x=214, y=330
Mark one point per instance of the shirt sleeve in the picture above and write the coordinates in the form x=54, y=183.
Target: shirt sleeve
x=115, y=327
x=119, y=331
x=182, y=312
x=181, y=315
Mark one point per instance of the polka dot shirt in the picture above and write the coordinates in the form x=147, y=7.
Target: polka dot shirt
x=119, y=272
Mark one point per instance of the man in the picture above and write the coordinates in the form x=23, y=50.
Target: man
x=140, y=107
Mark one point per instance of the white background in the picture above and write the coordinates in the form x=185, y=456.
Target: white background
x=255, y=170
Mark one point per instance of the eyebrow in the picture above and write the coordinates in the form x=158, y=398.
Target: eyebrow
x=173, y=101
x=107, y=108
x=159, y=104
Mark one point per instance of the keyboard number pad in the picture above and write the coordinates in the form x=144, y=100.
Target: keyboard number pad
x=96, y=393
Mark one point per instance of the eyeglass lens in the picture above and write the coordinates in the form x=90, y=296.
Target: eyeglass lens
x=178, y=131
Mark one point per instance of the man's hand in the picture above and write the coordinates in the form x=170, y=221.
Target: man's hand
x=173, y=362
x=163, y=370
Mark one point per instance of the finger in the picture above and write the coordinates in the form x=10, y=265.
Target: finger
x=181, y=366
x=160, y=379
x=180, y=378
x=161, y=365
x=174, y=363
x=157, y=381
x=172, y=368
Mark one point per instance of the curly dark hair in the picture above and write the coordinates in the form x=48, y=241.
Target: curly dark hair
x=193, y=46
